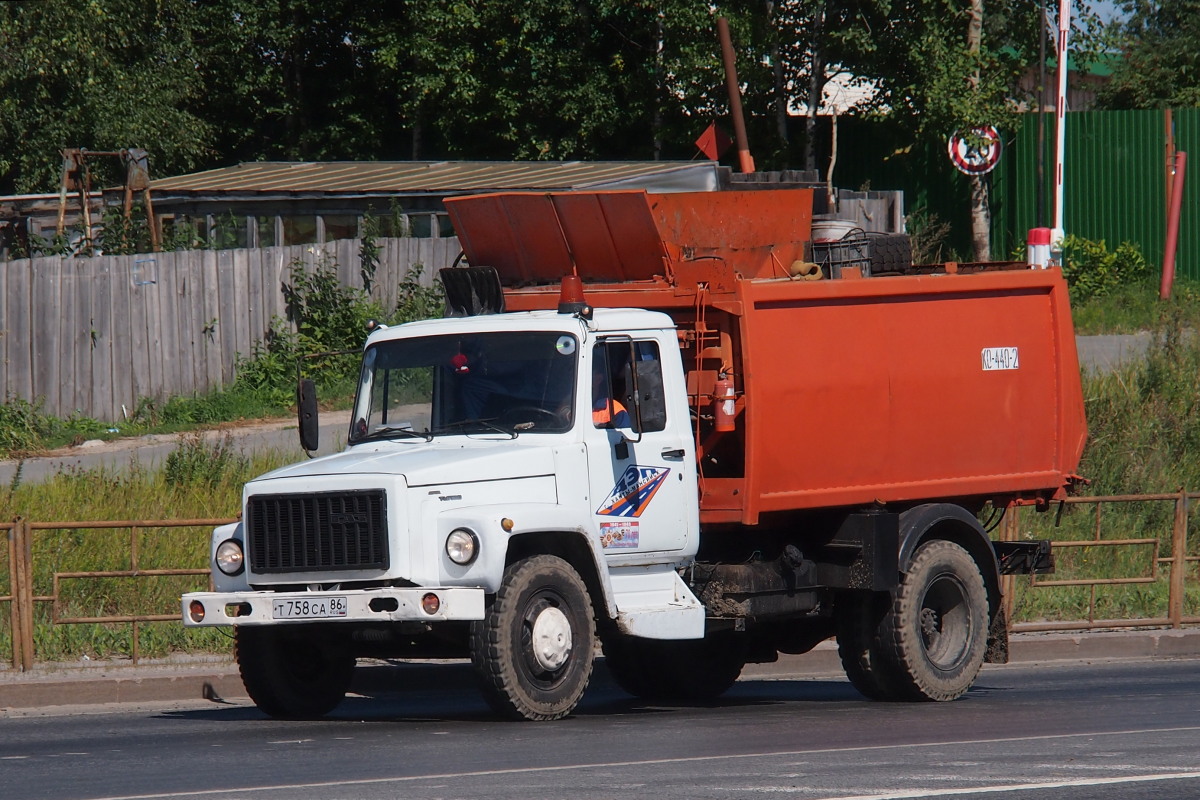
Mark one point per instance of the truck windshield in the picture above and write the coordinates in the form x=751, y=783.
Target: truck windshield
x=509, y=382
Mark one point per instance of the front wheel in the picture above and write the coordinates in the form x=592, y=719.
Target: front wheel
x=291, y=673
x=533, y=650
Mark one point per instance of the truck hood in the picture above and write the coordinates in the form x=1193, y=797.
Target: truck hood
x=433, y=463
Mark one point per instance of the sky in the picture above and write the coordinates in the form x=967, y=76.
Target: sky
x=1107, y=10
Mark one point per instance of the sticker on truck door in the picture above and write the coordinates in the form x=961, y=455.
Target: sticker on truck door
x=621, y=535
x=634, y=490
x=1000, y=358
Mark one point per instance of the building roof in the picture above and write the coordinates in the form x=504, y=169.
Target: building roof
x=365, y=178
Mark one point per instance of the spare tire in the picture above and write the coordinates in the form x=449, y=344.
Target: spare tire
x=890, y=253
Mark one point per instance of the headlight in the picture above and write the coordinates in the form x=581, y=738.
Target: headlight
x=462, y=546
x=229, y=557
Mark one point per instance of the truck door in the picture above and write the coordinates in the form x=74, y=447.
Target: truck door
x=641, y=480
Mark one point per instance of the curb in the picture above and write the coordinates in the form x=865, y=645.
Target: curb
x=52, y=686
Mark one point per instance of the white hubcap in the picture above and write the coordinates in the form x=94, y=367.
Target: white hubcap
x=551, y=638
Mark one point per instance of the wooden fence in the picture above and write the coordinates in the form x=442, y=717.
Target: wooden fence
x=91, y=336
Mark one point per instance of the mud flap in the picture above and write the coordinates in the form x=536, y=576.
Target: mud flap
x=997, y=641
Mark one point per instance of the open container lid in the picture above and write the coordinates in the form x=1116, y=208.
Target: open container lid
x=631, y=236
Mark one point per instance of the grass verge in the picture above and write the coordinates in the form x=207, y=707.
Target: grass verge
x=1134, y=307
x=1144, y=438
x=197, y=481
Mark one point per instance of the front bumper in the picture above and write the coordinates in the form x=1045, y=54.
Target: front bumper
x=360, y=605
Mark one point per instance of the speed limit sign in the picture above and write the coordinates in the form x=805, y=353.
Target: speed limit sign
x=976, y=153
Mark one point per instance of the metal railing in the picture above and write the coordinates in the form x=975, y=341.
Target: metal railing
x=1175, y=563
x=23, y=597
x=1173, y=567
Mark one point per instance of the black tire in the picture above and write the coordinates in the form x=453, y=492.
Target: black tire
x=533, y=650
x=890, y=253
x=860, y=649
x=290, y=673
x=688, y=670
x=936, y=632
x=626, y=660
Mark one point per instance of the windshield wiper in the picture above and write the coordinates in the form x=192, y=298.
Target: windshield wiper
x=486, y=424
x=394, y=432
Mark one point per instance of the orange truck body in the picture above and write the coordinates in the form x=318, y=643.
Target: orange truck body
x=960, y=383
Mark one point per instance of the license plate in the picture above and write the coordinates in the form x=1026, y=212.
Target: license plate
x=317, y=608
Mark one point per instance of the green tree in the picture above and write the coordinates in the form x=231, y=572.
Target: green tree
x=203, y=83
x=1160, y=42
x=552, y=79
x=292, y=79
x=101, y=74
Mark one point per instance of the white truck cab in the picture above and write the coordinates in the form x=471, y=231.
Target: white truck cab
x=539, y=454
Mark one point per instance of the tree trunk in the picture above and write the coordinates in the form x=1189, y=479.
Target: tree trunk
x=417, y=114
x=816, y=87
x=656, y=125
x=981, y=215
x=781, y=126
x=981, y=219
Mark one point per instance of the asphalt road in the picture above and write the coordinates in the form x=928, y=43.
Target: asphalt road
x=1119, y=729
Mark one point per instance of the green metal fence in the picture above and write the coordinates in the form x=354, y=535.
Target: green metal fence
x=1115, y=182
x=870, y=157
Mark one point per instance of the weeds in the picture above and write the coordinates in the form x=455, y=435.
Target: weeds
x=1144, y=436
x=22, y=426
x=197, y=462
x=324, y=317
x=1144, y=418
x=1133, y=307
x=1092, y=270
x=930, y=236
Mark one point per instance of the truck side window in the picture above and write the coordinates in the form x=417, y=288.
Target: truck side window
x=614, y=381
x=608, y=407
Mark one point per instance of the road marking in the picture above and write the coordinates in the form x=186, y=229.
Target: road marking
x=233, y=790
x=1020, y=787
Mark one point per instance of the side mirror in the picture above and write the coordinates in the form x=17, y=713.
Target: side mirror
x=650, y=411
x=306, y=413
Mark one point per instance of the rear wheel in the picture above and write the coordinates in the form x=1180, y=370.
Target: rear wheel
x=925, y=642
x=291, y=673
x=859, y=647
x=533, y=650
x=936, y=633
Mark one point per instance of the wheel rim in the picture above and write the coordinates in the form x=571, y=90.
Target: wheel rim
x=945, y=622
x=546, y=638
x=551, y=638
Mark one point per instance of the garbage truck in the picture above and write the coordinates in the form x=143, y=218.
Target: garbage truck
x=668, y=429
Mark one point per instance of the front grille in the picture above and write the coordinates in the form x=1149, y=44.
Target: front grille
x=318, y=531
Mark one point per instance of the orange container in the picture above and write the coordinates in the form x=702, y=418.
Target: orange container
x=890, y=390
